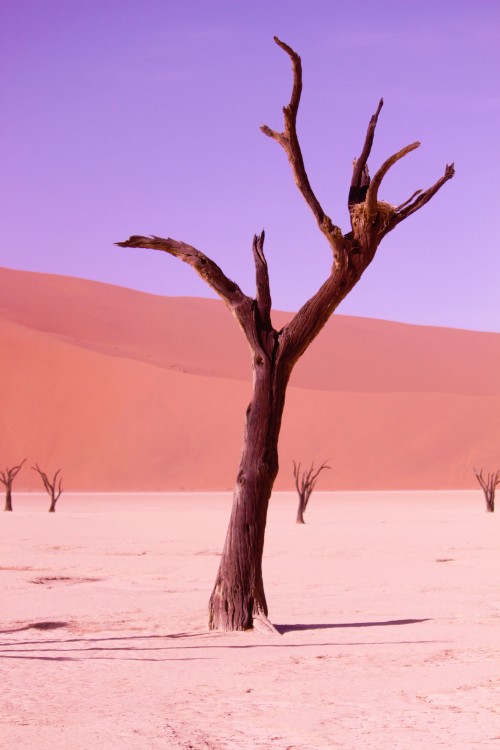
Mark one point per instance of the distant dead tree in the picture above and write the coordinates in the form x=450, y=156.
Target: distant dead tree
x=305, y=483
x=52, y=488
x=488, y=485
x=6, y=478
x=238, y=595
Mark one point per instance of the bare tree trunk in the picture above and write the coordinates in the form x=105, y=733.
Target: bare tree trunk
x=489, y=496
x=8, y=499
x=238, y=595
x=300, y=511
x=490, y=502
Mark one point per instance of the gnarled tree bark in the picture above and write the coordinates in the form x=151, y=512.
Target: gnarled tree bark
x=238, y=597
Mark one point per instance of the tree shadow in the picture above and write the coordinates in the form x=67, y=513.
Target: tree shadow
x=101, y=658
x=44, y=625
x=139, y=647
x=86, y=639
x=329, y=626
x=143, y=653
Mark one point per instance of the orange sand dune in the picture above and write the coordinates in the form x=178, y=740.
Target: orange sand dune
x=125, y=390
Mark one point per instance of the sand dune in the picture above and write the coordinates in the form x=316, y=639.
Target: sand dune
x=125, y=390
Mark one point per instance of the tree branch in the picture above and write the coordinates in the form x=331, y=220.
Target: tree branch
x=480, y=478
x=50, y=487
x=296, y=472
x=372, y=194
x=202, y=264
x=402, y=205
x=314, y=314
x=53, y=486
x=263, y=293
x=408, y=208
x=360, y=176
x=7, y=477
x=16, y=469
x=43, y=477
x=491, y=482
x=241, y=306
x=314, y=478
x=290, y=142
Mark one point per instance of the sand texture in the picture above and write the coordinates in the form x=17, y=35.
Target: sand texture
x=388, y=604
x=130, y=391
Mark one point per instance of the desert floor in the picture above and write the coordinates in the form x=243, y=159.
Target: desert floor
x=388, y=605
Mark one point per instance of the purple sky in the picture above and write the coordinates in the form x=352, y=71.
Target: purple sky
x=128, y=117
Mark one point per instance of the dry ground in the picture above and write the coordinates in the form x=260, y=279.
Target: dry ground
x=388, y=604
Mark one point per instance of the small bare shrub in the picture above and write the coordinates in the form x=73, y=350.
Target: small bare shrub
x=53, y=489
x=7, y=478
x=488, y=485
x=305, y=483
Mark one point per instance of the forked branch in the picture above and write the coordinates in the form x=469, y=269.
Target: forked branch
x=402, y=205
x=372, y=194
x=239, y=303
x=7, y=476
x=410, y=206
x=306, y=481
x=290, y=142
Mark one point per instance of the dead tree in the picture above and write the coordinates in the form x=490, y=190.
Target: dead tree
x=238, y=595
x=488, y=485
x=7, y=478
x=305, y=484
x=53, y=489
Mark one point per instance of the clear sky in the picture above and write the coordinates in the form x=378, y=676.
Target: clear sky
x=128, y=117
